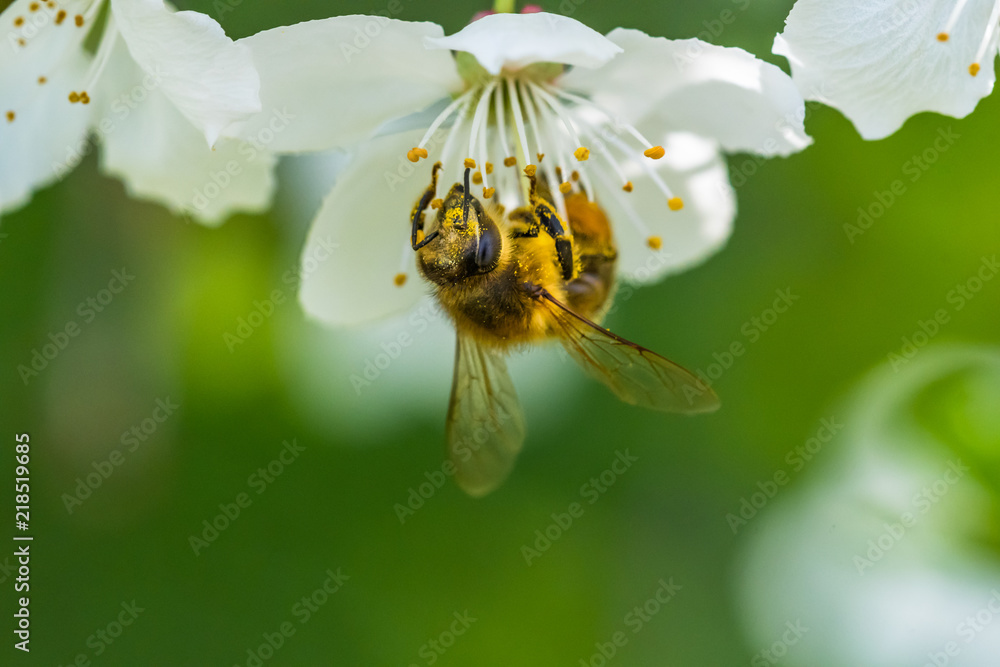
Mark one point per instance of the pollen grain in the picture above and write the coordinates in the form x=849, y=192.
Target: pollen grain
x=654, y=153
x=582, y=153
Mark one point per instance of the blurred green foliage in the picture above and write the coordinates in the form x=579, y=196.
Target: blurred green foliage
x=333, y=507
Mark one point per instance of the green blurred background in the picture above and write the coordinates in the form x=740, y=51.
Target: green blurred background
x=333, y=506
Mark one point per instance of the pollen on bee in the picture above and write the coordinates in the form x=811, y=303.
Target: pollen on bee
x=399, y=280
x=540, y=156
x=529, y=171
x=509, y=161
x=78, y=19
x=627, y=187
x=974, y=69
x=10, y=116
x=654, y=153
x=565, y=187
x=488, y=192
x=477, y=178
x=470, y=163
x=420, y=235
x=489, y=167
x=675, y=203
x=654, y=242
x=415, y=153
x=942, y=37
x=437, y=203
x=61, y=16
x=582, y=153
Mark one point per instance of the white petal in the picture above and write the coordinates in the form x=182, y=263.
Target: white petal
x=47, y=135
x=514, y=41
x=366, y=219
x=688, y=85
x=208, y=77
x=694, y=171
x=160, y=156
x=880, y=63
x=340, y=78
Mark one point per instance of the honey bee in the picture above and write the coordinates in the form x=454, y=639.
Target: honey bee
x=529, y=280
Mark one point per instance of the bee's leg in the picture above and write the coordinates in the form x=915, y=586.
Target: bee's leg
x=417, y=216
x=550, y=222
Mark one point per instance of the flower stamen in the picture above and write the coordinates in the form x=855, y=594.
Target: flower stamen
x=991, y=28
x=945, y=33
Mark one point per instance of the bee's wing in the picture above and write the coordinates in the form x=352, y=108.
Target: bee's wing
x=485, y=422
x=636, y=375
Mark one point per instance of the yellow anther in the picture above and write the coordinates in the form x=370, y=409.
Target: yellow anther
x=627, y=187
x=675, y=203
x=470, y=163
x=575, y=175
x=582, y=153
x=565, y=187
x=509, y=161
x=489, y=167
x=529, y=171
x=34, y=6
x=399, y=280
x=974, y=69
x=10, y=116
x=79, y=20
x=437, y=203
x=942, y=37
x=415, y=153
x=41, y=80
x=488, y=192
x=19, y=21
x=540, y=156
x=73, y=98
x=84, y=97
x=477, y=178
x=654, y=242
x=654, y=153
x=61, y=16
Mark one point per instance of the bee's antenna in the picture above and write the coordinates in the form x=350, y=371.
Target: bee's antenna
x=466, y=197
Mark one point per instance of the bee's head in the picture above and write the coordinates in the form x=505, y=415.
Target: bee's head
x=468, y=241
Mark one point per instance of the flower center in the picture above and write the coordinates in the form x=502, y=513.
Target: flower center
x=526, y=122
x=984, y=44
x=80, y=19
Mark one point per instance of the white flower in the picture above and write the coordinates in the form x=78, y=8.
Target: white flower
x=156, y=92
x=882, y=62
x=505, y=96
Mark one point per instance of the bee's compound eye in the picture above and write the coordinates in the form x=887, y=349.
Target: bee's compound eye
x=488, y=255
